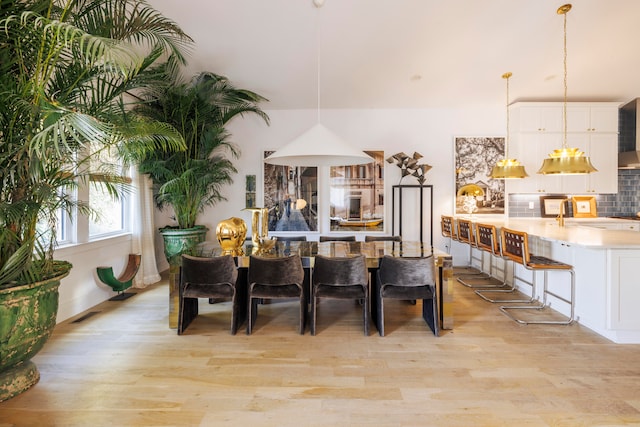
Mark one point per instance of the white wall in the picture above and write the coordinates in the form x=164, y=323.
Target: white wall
x=82, y=289
x=427, y=131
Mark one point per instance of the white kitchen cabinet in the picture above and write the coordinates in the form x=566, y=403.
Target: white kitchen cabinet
x=591, y=127
x=599, y=147
x=585, y=117
x=624, y=290
x=531, y=149
x=538, y=117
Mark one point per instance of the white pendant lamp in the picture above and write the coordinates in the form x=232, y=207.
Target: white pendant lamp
x=566, y=161
x=318, y=146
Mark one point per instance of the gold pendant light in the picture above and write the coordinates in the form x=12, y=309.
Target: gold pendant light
x=566, y=161
x=507, y=168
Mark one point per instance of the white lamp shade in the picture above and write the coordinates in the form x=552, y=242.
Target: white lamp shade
x=318, y=147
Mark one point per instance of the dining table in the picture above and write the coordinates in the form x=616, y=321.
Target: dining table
x=373, y=251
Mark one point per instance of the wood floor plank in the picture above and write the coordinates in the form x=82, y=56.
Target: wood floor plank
x=124, y=366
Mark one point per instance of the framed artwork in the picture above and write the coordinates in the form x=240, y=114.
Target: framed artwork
x=291, y=196
x=474, y=159
x=550, y=206
x=250, y=191
x=584, y=207
x=356, y=195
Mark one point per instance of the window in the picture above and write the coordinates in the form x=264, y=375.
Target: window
x=109, y=212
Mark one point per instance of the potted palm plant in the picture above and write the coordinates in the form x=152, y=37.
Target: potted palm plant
x=65, y=67
x=191, y=180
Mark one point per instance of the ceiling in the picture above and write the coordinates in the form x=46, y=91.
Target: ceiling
x=414, y=53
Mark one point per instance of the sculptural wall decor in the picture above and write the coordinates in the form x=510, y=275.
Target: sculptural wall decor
x=412, y=210
x=409, y=165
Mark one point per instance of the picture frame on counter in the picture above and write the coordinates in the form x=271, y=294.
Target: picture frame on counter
x=550, y=206
x=584, y=207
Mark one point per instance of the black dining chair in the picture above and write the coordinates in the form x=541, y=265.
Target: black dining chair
x=369, y=238
x=286, y=240
x=406, y=279
x=291, y=238
x=209, y=278
x=340, y=278
x=337, y=238
x=275, y=278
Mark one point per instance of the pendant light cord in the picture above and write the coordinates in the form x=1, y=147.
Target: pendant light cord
x=506, y=145
x=564, y=108
x=318, y=6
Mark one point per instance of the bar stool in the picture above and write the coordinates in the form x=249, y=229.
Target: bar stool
x=486, y=240
x=515, y=278
x=465, y=235
x=515, y=246
x=448, y=231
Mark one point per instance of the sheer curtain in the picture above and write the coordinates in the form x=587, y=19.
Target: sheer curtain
x=143, y=230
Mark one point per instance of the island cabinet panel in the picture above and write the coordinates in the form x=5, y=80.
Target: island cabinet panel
x=624, y=291
x=590, y=266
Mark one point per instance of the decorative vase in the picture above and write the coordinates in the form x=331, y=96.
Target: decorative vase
x=27, y=318
x=231, y=234
x=259, y=224
x=178, y=241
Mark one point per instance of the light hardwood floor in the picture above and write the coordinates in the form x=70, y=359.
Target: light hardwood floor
x=123, y=366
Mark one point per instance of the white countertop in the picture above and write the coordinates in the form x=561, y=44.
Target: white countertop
x=577, y=231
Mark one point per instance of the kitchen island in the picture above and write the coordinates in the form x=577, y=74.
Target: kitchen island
x=605, y=254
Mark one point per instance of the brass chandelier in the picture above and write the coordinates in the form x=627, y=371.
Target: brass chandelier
x=507, y=168
x=566, y=161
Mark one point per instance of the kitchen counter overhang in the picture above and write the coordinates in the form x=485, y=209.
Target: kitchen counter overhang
x=584, y=232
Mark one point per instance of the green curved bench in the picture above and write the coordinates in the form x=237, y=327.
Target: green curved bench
x=122, y=282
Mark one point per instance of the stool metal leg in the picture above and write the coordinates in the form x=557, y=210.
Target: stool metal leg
x=546, y=292
x=470, y=271
x=484, y=281
x=484, y=293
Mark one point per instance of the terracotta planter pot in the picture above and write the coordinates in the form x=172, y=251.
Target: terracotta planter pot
x=27, y=318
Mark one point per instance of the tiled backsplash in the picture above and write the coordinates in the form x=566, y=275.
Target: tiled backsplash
x=626, y=202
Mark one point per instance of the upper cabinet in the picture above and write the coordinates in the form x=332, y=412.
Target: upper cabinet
x=537, y=118
x=592, y=118
x=538, y=129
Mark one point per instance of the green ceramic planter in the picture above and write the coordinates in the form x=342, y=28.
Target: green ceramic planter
x=27, y=318
x=178, y=241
